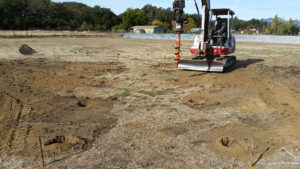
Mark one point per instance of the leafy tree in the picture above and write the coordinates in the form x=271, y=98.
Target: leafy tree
x=104, y=17
x=133, y=17
x=1, y=15
x=161, y=24
x=24, y=14
x=142, y=31
x=278, y=27
x=153, y=13
x=264, y=30
x=296, y=30
x=115, y=28
x=37, y=12
x=97, y=27
x=190, y=25
x=240, y=25
x=74, y=24
x=196, y=19
x=13, y=9
x=173, y=25
x=141, y=18
x=164, y=15
x=84, y=26
x=150, y=11
x=274, y=25
x=59, y=15
x=291, y=26
x=90, y=27
x=128, y=19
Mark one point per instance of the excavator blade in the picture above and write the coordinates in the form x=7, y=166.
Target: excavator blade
x=221, y=64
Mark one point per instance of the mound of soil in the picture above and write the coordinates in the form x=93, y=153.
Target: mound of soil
x=26, y=50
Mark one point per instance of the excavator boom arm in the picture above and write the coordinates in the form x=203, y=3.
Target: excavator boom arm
x=205, y=18
x=179, y=5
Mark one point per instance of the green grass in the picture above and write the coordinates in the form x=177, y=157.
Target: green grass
x=125, y=94
x=69, y=91
x=157, y=93
x=164, y=105
x=150, y=93
x=149, y=107
x=165, y=91
x=120, y=96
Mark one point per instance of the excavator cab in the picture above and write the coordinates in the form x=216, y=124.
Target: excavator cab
x=219, y=43
x=219, y=38
x=223, y=39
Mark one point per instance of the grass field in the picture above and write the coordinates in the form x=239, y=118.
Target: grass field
x=112, y=102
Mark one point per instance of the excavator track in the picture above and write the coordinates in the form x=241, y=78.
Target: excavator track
x=221, y=64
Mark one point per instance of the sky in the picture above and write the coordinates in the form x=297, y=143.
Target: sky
x=244, y=9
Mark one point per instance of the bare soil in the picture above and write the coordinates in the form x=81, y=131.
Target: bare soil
x=30, y=106
x=121, y=103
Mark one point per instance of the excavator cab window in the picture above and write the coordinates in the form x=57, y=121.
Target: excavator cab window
x=221, y=32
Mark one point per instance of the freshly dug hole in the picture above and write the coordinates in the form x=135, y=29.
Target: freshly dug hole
x=64, y=144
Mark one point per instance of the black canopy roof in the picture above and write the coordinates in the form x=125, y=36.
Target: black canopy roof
x=223, y=11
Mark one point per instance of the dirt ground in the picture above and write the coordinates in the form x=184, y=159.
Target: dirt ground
x=121, y=103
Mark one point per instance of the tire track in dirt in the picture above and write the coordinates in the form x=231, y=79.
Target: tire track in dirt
x=15, y=128
x=11, y=111
x=22, y=129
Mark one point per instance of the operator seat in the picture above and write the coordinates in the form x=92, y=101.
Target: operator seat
x=223, y=39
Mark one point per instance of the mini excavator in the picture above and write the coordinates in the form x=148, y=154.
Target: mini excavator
x=210, y=50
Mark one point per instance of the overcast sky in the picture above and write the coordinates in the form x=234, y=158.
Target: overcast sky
x=245, y=9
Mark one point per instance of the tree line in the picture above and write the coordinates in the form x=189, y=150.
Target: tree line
x=276, y=27
x=152, y=15
x=44, y=14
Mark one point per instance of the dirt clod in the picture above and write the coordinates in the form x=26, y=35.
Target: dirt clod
x=81, y=104
x=26, y=50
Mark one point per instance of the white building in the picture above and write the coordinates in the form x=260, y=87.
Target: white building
x=147, y=29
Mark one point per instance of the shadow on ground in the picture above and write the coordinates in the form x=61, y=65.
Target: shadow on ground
x=245, y=63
